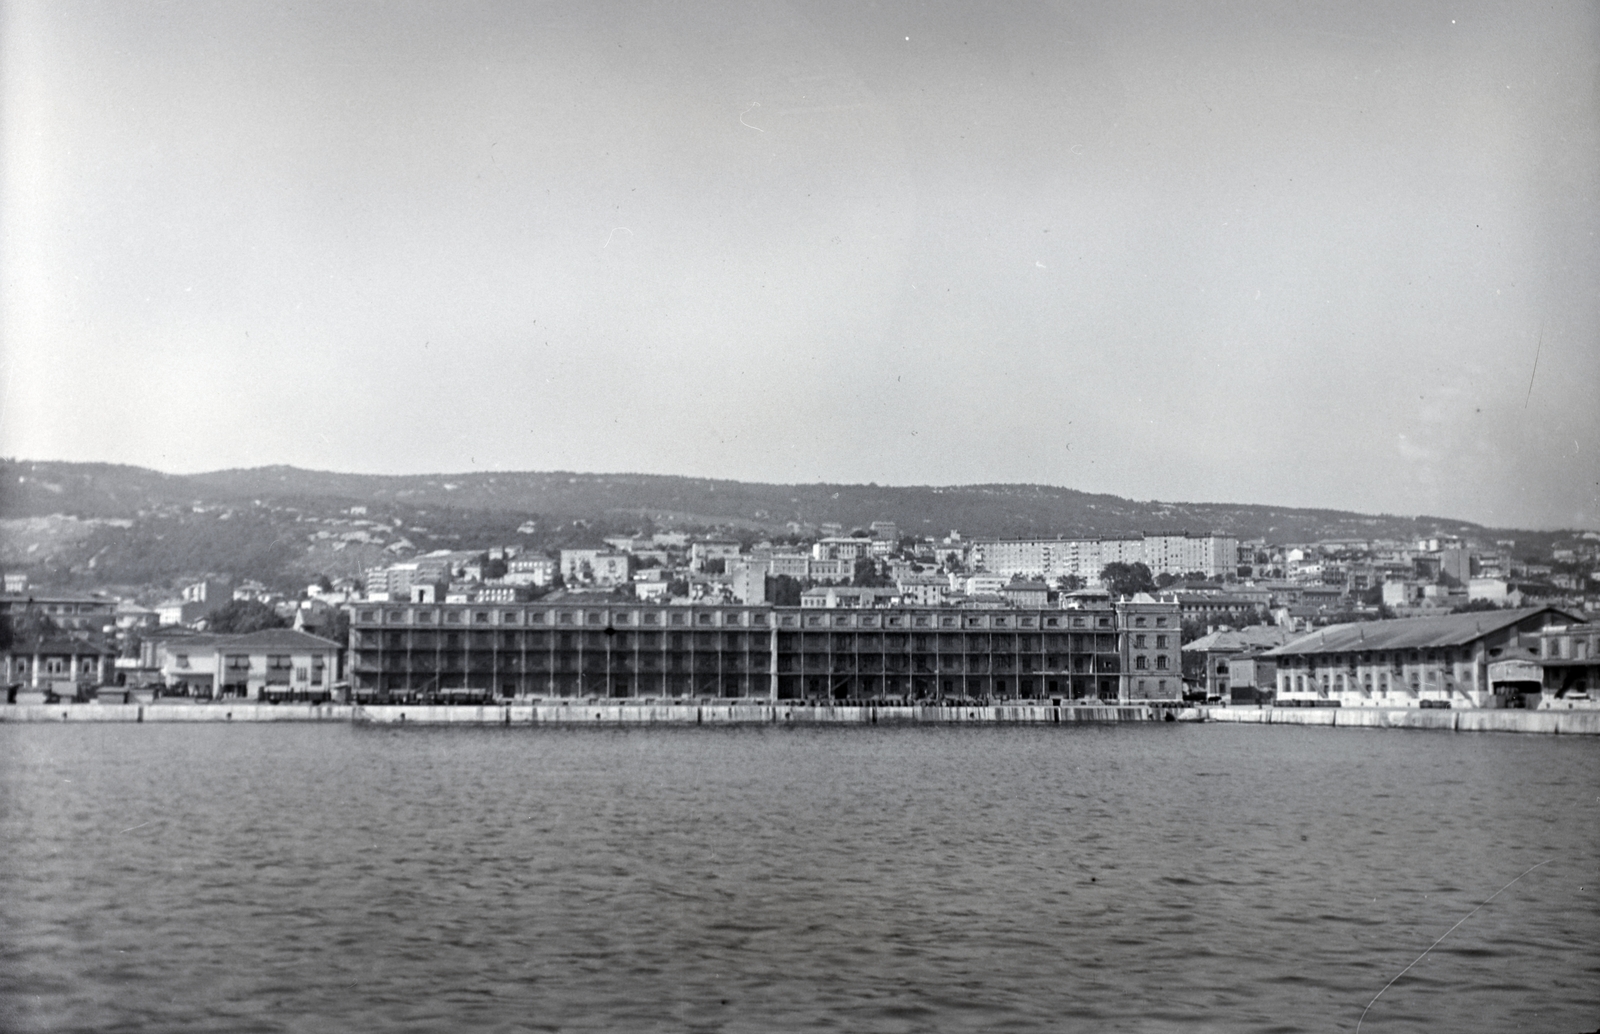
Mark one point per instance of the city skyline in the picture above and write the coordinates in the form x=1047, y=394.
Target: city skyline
x=1338, y=257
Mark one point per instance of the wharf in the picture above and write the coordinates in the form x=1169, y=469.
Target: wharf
x=780, y=713
x=185, y=712
x=632, y=713
x=580, y=712
x=1570, y=723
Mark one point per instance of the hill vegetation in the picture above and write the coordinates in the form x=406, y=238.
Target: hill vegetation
x=81, y=524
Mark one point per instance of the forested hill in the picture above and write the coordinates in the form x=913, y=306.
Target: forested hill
x=108, y=491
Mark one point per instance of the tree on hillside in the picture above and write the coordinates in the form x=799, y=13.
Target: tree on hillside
x=242, y=616
x=1472, y=606
x=25, y=624
x=783, y=590
x=336, y=628
x=866, y=575
x=1126, y=579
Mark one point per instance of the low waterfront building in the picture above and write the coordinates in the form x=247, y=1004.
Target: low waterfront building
x=1227, y=664
x=63, y=663
x=1453, y=660
x=1122, y=650
x=272, y=664
x=1569, y=666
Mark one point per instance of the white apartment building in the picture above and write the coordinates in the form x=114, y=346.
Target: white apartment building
x=1215, y=555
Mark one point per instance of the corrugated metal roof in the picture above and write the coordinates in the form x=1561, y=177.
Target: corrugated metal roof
x=1255, y=637
x=1410, y=633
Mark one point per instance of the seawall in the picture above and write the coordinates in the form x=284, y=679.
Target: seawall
x=601, y=713
x=1571, y=723
x=575, y=713
x=242, y=712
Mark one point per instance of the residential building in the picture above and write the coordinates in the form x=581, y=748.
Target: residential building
x=705, y=551
x=748, y=580
x=595, y=567
x=1026, y=595
x=980, y=584
x=66, y=610
x=841, y=548
x=832, y=596
x=830, y=570
x=1218, y=608
x=923, y=590
x=1214, y=555
x=794, y=565
x=530, y=569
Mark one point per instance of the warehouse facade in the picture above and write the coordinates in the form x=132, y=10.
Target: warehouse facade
x=1125, y=650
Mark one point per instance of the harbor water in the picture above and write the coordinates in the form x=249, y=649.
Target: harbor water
x=1140, y=877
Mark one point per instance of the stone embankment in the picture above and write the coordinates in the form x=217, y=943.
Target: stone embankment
x=242, y=712
x=574, y=713
x=602, y=713
x=1580, y=723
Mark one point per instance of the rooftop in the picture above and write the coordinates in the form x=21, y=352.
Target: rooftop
x=1256, y=637
x=1412, y=633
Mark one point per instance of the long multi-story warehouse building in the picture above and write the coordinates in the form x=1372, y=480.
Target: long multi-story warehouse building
x=1125, y=650
x=1214, y=555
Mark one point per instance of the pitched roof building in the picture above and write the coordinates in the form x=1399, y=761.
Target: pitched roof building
x=1454, y=660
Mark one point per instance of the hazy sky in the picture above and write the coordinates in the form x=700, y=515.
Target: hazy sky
x=1326, y=255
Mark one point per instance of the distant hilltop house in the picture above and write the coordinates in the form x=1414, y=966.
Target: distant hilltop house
x=595, y=567
x=195, y=601
x=530, y=570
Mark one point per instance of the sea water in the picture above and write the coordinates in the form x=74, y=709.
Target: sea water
x=1098, y=878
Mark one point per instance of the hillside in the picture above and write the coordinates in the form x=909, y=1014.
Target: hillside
x=82, y=523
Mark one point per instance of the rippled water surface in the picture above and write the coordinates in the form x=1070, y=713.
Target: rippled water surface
x=1146, y=878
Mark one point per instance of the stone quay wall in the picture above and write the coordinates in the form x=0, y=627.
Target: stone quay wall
x=1572, y=723
x=578, y=713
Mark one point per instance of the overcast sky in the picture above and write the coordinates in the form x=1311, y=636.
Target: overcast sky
x=1332, y=255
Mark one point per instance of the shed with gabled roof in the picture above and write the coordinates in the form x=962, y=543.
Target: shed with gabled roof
x=1410, y=662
